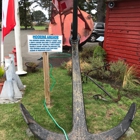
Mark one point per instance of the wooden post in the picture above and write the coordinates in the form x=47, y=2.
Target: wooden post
x=46, y=78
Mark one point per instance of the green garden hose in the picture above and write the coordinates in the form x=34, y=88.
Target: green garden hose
x=65, y=134
x=52, y=86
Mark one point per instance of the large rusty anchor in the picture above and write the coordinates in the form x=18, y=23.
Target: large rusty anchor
x=79, y=130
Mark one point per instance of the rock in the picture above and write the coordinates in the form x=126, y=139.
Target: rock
x=129, y=132
x=29, y=133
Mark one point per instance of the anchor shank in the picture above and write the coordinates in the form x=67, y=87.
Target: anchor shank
x=79, y=122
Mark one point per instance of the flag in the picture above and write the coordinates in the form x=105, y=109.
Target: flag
x=8, y=17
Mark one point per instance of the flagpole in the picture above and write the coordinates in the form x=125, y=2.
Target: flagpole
x=2, y=51
x=2, y=41
x=20, y=70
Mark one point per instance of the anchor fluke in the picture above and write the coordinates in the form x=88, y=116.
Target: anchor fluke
x=113, y=134
x=116, y=132
x=36, y=129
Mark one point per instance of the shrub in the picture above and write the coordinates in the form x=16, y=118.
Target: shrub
x=86, y=53
x=63, y=65
x=2, y=74
x=84, y=66
x=99, y=52
x=2, y=71
x=98, y=68
x=98, y=63
x=130, y=81
x=117, y=70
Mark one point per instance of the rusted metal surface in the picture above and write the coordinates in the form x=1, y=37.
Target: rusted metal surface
x=79, y=130
x=122, y=33
x=63, y=27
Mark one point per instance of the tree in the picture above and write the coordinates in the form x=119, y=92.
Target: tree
x=101, y=10
x=84, y=5
x=25, y=13
x=87, y=6
x=39, y=17
x=1, y=10
x=45, y=4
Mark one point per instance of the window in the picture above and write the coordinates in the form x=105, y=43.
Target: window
x=100, y=26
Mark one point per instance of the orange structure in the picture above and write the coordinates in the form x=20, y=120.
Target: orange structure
x=62, y=26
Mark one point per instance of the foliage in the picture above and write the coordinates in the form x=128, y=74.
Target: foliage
x=117, y=70
x=2, y=71
x=98, y=68
x=86, y=53
x=39, y=17
x=98, y=5
x=0, y=10
x=97, y=62
x=101, y=10
x=99, y=52
x=2, y=74
x=63, y=65
x=45, y=4
x=130, y=80
x=84, y=66
x=88, y=6
x=25, y=13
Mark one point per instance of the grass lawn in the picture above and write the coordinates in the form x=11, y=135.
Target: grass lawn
x=35, y=27
x=100, y=115
x=40, y=27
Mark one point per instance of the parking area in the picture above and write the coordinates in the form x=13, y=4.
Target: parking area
x=9, y=44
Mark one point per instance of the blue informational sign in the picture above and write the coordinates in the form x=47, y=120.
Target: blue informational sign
x=44, y=43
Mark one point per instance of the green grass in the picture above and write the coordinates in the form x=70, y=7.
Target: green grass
x=100, y=115
x=35, y=27
x=40, y=27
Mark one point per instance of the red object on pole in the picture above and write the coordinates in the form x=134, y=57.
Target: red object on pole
x=14, y=52
x=1, y=86
x=61, y=25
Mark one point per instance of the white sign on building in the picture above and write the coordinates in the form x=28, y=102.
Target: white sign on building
x=44, y=43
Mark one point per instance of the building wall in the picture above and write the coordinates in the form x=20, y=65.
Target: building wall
x=122, y=33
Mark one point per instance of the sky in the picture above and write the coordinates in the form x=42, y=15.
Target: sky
x=38, y=8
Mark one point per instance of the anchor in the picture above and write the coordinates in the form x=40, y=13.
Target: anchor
x=79, y=129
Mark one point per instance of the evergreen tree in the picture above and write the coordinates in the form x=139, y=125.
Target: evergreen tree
x=39, y=17
x=25, y=13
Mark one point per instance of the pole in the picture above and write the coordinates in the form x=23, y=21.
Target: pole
x=46, y=78
x=20, y=70
x=2, y=41
x=74, y=24
x=2, y=52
